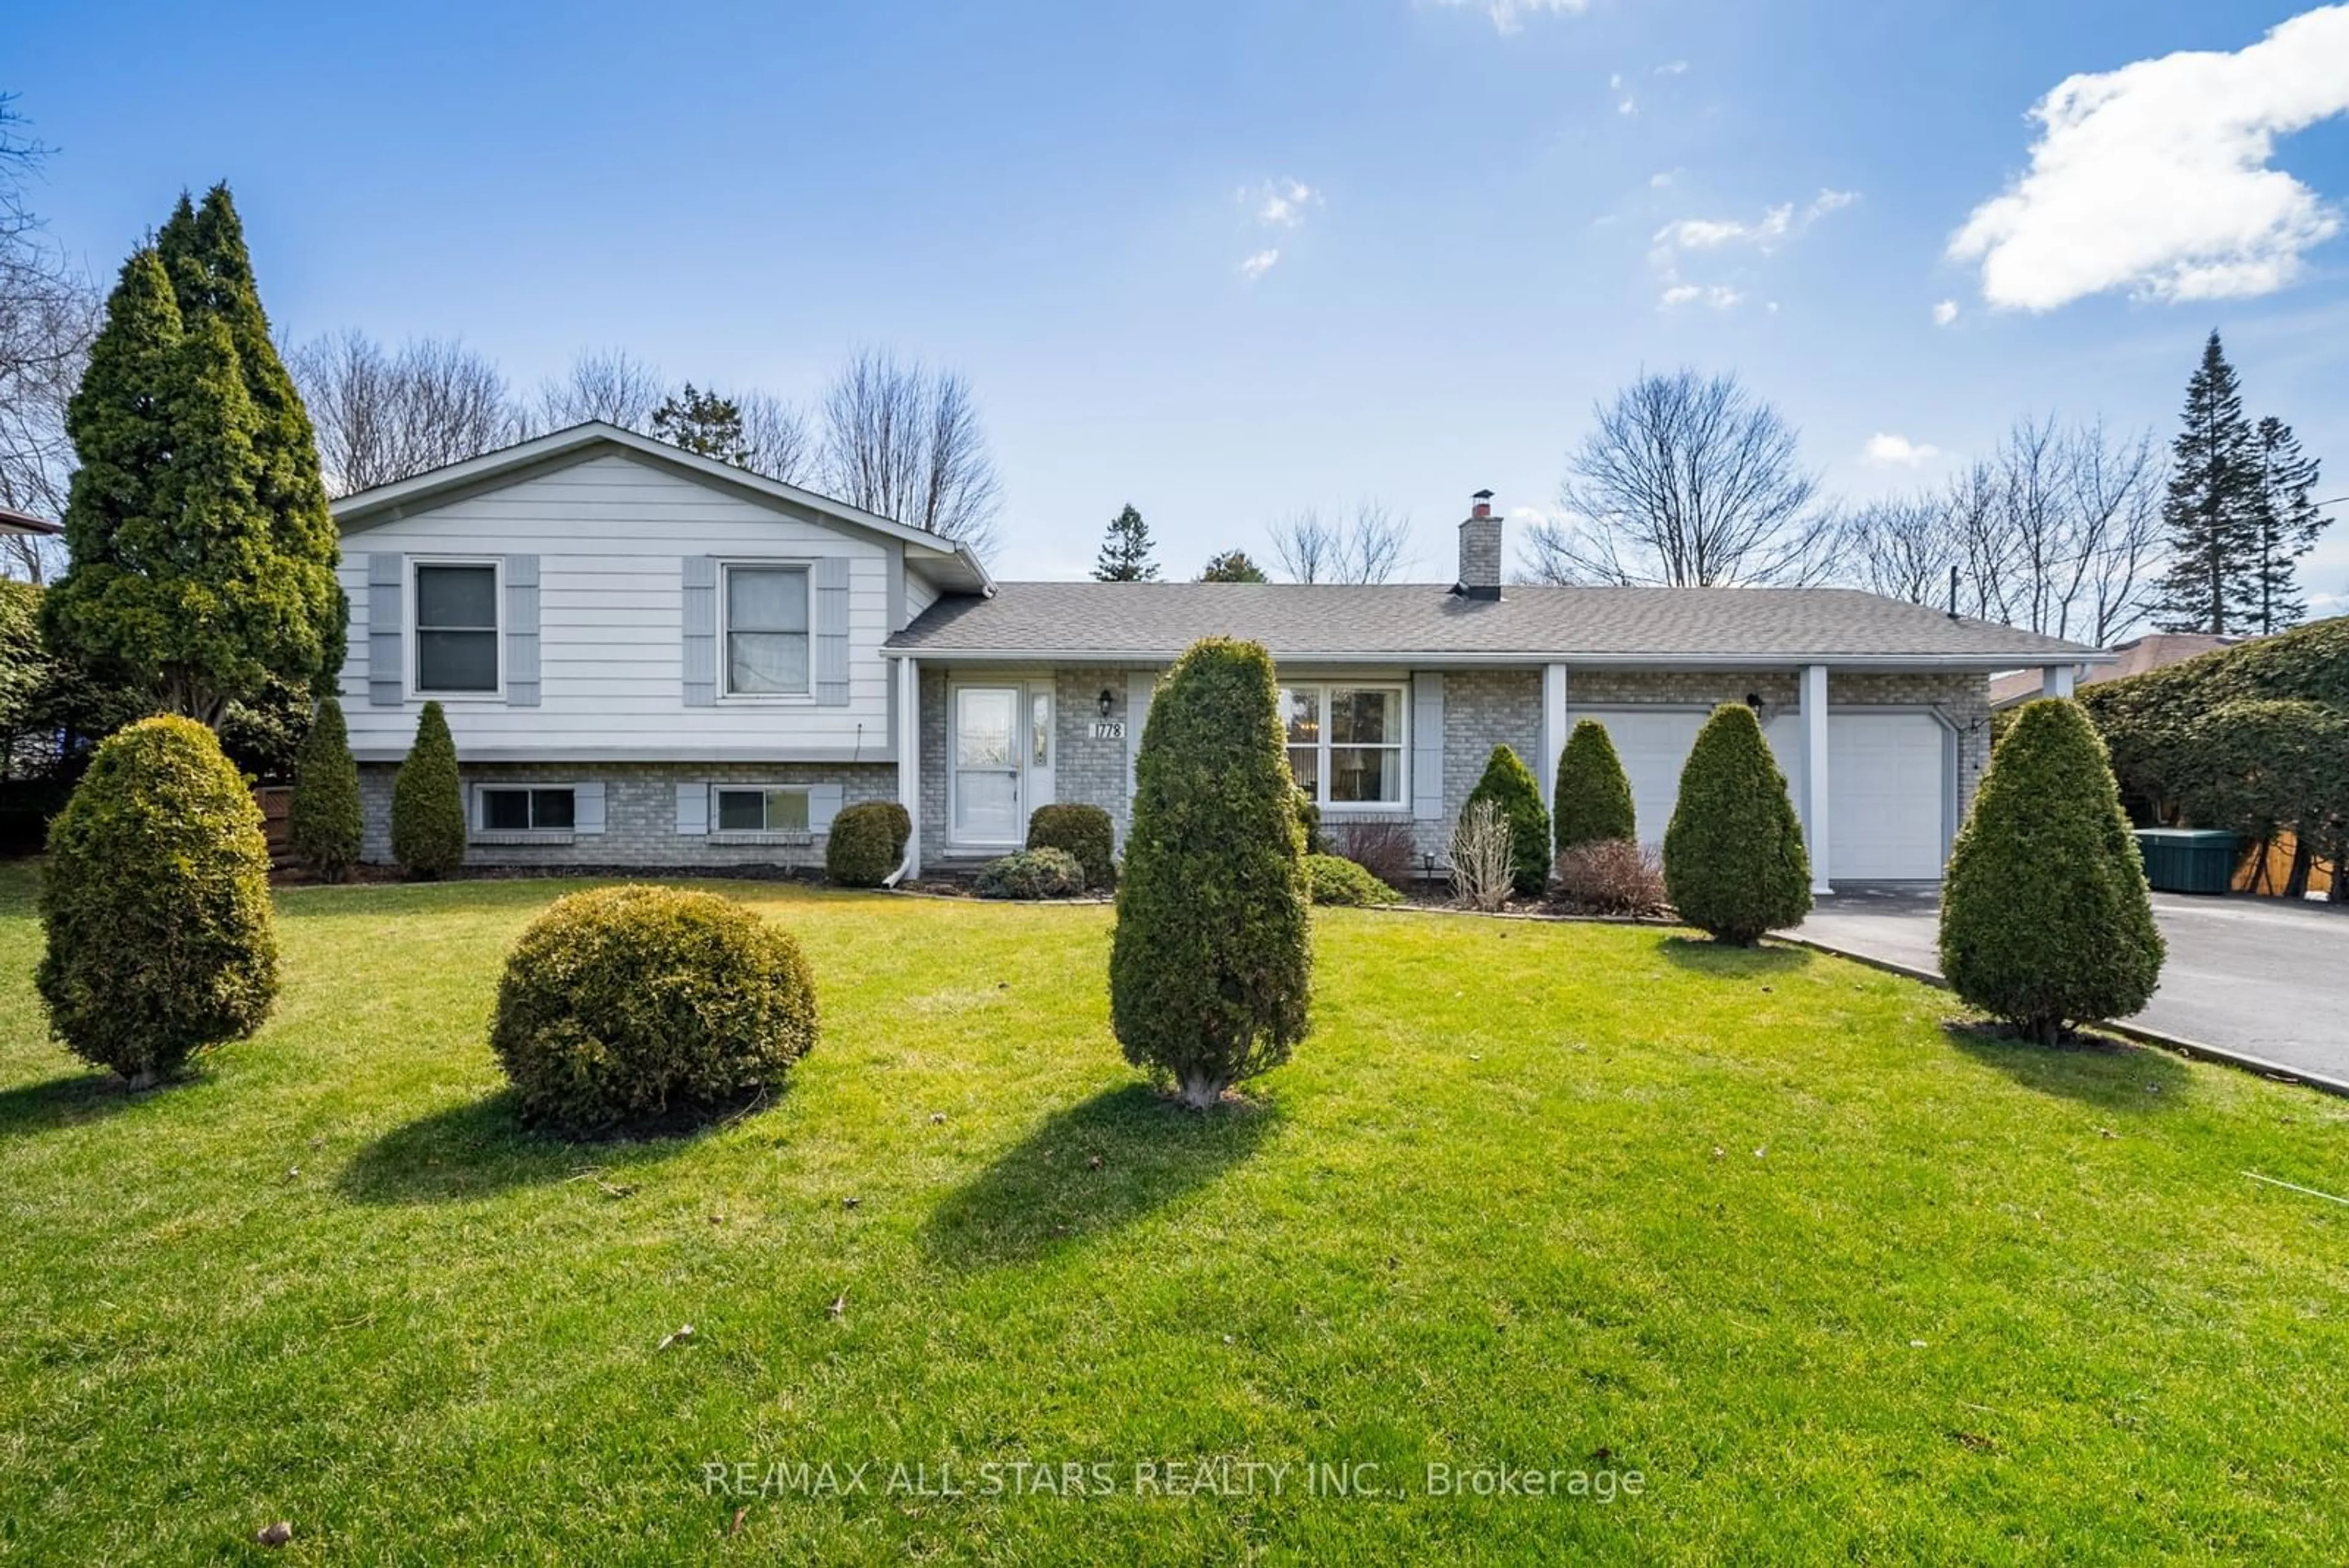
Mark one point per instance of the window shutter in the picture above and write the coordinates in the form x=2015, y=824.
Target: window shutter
x=823, y=804
x=1427, y=745
x=693, y=808
x=701, y=609
x=386, y=662
x=587, y=807
x=522, y=631
x=832, y=631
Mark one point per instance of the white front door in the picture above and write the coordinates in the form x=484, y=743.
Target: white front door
x=985, y=789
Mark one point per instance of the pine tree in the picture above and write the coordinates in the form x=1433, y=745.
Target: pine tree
x=2211, y=509
x=1125, y=552
x=704, y=423
x=1233, y=566
x=2284, y=481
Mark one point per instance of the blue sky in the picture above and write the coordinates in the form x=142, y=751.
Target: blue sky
x=1485, y=216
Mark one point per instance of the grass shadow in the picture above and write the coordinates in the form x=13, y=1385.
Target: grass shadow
x=481, y=1148
x=70, y=1101
x=1090, y=1169
x=2097, y=1070
x=1700, y=956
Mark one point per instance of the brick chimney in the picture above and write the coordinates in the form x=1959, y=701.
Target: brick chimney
x=1480, y=551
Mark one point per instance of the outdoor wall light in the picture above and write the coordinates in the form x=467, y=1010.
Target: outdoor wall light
x=1753, y=701
x=1104, y=702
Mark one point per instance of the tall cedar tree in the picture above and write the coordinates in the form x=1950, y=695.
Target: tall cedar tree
x=427, y=800
x=2284, y=486
x=1735, y=863
x=2045, y=920
x=325, y=821
x=202, y=555
x=1126, y=553
x=1511, y=785
x=1232, y=566
x=1210, y=968
x=2211, y=508
x=1593, y=803
x=704, y=423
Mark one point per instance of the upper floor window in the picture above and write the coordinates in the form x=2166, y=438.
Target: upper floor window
x=456, y=627
x=766, y=631
x=1345, y=743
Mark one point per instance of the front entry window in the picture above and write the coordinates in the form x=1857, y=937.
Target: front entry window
x=986, y=746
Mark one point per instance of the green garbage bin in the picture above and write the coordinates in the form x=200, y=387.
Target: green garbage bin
x=2187, y=860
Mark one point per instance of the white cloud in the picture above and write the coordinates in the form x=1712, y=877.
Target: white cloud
x=1256, y=266
x=1281, y=204
x=1508, y=15
x=1898, y=450
x=1827, y=201
x=1660, y=177
x=1715, y=295
x=1672, y=69
x=1945, y=312
x=1624, y=102
x=2153, y=178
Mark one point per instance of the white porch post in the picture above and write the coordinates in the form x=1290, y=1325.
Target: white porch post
x=1553, y=729
x=1815, y=773
x=2055, y=681
x=909, y=756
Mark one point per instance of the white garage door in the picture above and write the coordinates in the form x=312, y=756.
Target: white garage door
x=1885, y=776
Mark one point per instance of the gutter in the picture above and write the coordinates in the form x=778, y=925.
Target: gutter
x=1981, y=663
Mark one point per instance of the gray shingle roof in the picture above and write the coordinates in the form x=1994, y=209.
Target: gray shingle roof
x=1298, y=621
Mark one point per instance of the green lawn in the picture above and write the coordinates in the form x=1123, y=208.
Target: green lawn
x=1839, y=1283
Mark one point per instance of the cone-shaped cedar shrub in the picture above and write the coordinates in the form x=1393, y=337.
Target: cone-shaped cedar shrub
x=427, y=803
x=1593, y=804
x=2045, y=920
x=1084, y=831
x=1210, y=970
x=1308, y=822
x=867, y=841
x=1511, y=785
x=632, y=1006
x=325, y=820
x=156, y=903
x=1735, y=863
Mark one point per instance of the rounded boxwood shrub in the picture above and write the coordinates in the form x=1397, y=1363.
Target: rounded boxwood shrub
x=1334, y=880
x=1210, y=968
x=1031, y=874
x=1084, y=831
x=867, y=841
x=2045, y=919
x=1735, y=863
x=1511, y=785
x=1593, y=801
x=626, y=1006
x=324, y=822
x=155, y=901
x=427, y=802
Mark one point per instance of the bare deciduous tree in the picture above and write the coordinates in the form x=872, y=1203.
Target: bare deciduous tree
x=1369, y=545
x=781, y=445
x=906, y=442
x=1689, y=482
x=49, y=314
x=384, y=416
x=607, y=384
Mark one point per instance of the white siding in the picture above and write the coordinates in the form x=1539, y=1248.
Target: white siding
x=920, y=595
x=611, y=534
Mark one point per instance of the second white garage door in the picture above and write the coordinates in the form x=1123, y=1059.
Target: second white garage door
x=1886, y=776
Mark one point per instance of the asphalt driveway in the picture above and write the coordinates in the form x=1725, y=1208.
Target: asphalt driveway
x=2259, y=976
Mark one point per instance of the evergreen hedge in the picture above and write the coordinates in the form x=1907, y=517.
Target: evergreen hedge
x=867, y=841
x=1593, y=801
x=1210, y=967
x=1334, y=880
x=324, y=822
x=1046, y=873
x=155, y=901
x=624, y=1006
x=2045, y=919
x=1734, y=865
x=1509, y=785
x=1084, y=831
x=428, y=801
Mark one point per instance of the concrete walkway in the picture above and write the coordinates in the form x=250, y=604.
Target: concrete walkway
x=2258, y=977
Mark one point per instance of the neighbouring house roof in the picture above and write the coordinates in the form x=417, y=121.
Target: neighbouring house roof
x=952, y=565
x=1428, y=623
x=2134, y=657
x=14, y=522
